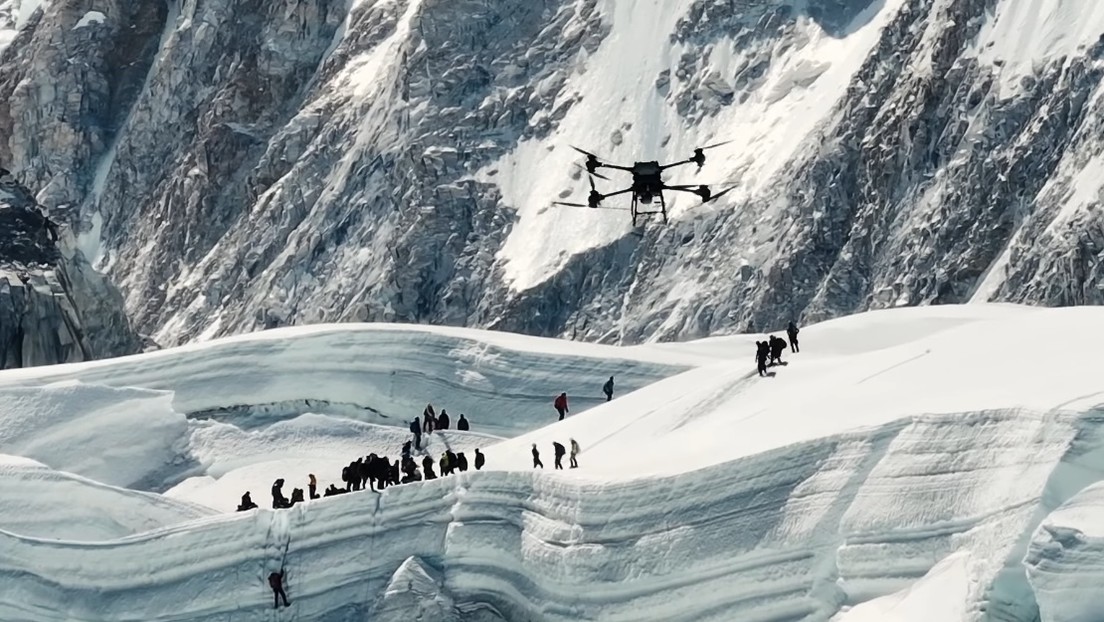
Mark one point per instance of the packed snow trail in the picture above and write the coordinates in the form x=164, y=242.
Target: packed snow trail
x=913, y=448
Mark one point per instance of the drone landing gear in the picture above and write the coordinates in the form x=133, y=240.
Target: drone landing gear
x=636, y=211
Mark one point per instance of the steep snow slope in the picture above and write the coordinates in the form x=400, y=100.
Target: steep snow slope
x=903, y=457
x=395, y=160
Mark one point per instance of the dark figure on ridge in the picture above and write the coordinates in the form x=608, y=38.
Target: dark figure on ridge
x=427, y=467
x=416, y=428
x=536, y=458
x=462, y=423
x=443, y=420
x=279, y=501
x=461, y=461
x=791, y=332
x=608, y=389
x=246, y=503
x=430, y=417
x=479, y=459
x=561, y=405
x=559, y=449
x=313, y=487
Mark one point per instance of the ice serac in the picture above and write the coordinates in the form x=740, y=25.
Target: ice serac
x=416, y=592
x=239, y=166
x=54, y=308
x=1065, y=563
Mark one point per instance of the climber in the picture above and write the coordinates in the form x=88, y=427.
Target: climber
x=561, y=405
x=429, y=419
x=246, y=503
x=777, y=346
x=444, y=464
x=762, y=350
x=427, y=466
x=559, y=449
x=574, y=452
x=479, y=459
x=443, y=420
x=461, y=461
x=462, y=423
x=296, y=496
x=608, y=389
x=313, y=487
x=536, y=458
x=791, y=332
x=406, y=449
x=276, y=582
x=416, y=428
x=278, y=499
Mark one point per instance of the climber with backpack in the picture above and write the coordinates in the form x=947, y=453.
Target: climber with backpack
x=276, y=582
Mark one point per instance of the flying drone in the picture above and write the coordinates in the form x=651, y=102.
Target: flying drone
x=647, y=184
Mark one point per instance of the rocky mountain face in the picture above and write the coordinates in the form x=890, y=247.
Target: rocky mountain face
x=241, y=165
x=53, y=307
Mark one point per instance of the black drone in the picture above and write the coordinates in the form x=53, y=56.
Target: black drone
x=647, y=184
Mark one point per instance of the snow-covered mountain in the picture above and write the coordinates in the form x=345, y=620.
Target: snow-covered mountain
x=240, y=165
x=940, y=464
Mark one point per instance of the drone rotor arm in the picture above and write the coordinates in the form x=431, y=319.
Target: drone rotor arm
x=664, y=167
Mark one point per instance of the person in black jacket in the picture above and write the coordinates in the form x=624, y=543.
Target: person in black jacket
x=479, y=459
x=762, y=351
x=278, y=499
x=462, y=423
x=276, y=582
x=536, y=458
x=416, y=428
x=777, y=346
x=791, y=332
x=246, y=503
x=608, y=389
x=443, y=420
x=559, y=454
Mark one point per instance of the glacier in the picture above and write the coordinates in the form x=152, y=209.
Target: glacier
x=939, y=463
x=233, y=167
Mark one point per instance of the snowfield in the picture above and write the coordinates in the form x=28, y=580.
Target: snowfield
x=938, y=463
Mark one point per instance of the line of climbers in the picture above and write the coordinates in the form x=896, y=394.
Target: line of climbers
x=772, y=349
x=378, y=472
x=558, y=450
x=373, y=472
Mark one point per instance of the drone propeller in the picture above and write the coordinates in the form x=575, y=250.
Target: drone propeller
x=719, y=194
x=699, y=155
x=592, y=161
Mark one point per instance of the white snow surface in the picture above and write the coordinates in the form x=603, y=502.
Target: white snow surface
x=913, y=464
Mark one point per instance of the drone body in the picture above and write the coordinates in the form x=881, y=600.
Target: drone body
x=647, y=184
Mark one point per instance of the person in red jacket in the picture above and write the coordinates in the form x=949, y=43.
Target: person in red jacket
x=561, y=405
